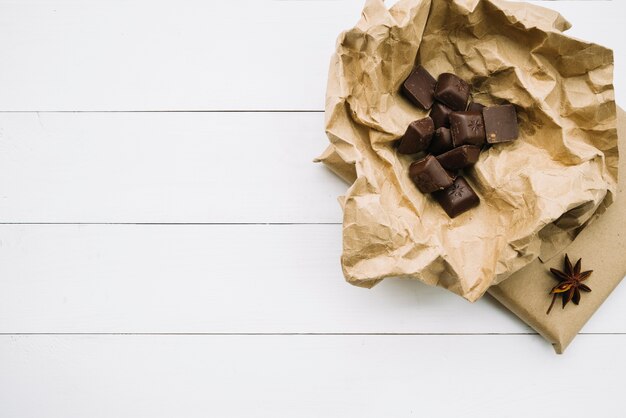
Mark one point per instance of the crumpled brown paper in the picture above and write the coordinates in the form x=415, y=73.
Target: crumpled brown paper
x=601, y=246
x=537, y=193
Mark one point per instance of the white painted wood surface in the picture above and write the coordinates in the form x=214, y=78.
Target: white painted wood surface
x=198, y=54
x=222, y=279
x=165, y=167
x=141, y=275
x=308, y=376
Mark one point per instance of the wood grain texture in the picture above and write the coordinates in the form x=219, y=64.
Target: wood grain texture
x=210, y=278
x=165, y=167
x=199, y=55
x=307, y=376
x=222, y=279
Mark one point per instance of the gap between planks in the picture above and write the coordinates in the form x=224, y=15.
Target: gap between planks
x=346, y=334
x=171, y=223
x=170, y=111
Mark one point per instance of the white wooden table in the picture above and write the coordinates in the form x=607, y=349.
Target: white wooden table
x=167, y=248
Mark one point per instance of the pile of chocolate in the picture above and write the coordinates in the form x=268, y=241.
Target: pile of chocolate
x=452, y=136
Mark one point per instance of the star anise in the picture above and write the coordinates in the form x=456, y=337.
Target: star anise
x=570, y=283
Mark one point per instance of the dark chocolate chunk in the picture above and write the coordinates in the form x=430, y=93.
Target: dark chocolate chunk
x=452, y=174
x=500, y=123
x=441, y=142
x=460, y=157
x=419, y=88
x=475, y=107
x=417, y=136
x=429, y=176
x=467, y=128
x=440, y=114
x=457, y=198
x=452, y=91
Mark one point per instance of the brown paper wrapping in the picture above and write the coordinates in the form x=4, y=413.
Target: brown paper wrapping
x=536, y=193
x=602, y=247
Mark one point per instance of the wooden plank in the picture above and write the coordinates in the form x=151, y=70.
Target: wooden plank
x=165, y=167
x=202, y=55
x=222, y=279
x=308, y=376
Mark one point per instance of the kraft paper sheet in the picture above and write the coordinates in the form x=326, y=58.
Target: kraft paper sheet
x=602, y=247
x=536, y=193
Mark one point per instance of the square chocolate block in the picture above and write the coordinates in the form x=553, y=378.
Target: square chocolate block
x=452, y=91
x=441, y=142
x=457, y=198
x=417, y=136
x=500, y=123
x=467, y=128
x=460, y=157
x=440, y=114
x=419, y=88
x=429, y=176
x=475, y=107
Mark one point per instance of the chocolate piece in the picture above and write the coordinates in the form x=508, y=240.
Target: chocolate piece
x=457, y=198
x=452, y=174
x=467, y=128
x=417, y=136
x=500, y=123
x=460, y=157
x=440, y=114
x=429, y=176
x=419, y=88
x=452, y=91
x=441, y=142
x=475, y=107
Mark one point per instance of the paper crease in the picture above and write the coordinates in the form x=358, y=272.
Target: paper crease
x=536, y=194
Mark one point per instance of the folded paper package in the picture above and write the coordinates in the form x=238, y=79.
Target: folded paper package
x=536, y=193
x=601, y=246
